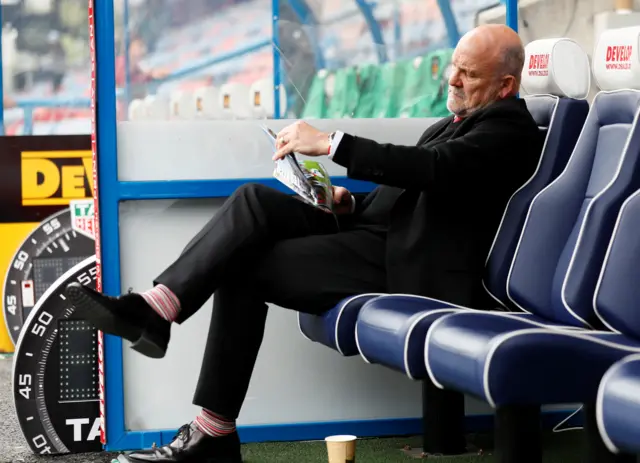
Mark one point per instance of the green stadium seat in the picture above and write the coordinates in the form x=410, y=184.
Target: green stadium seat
x=345, y=95
x=369, y=77
x=388, y=90
x=316, y=104
x=410, y=88
x=425, y=92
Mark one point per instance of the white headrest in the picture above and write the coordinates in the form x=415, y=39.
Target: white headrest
x=183, y=105
x=157, y=107
x=207, y=103
x=234, y=101
x=615, y=59
x=261, y=98
x=557, y=67
x=137, y=110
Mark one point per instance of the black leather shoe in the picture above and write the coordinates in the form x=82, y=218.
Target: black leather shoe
x=128, y=317
x=193, y=446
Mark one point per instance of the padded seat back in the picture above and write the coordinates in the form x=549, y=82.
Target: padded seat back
x=389, y=89
x=560, y=111
x=417, y=85
x=206, y=102
x=182, y=105
x=157, y=107
x=316, y=101
x=368, y=83
x=137, y=110
x=425, y=93
x=566, y=233
x=234, y=101
x=344, y=94
x=617, y=296
x=262, y=99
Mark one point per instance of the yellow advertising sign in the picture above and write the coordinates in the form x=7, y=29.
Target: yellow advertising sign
x=53, y=178
x=39, y=175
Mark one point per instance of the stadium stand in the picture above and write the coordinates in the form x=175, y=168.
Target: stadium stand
x=361, y=90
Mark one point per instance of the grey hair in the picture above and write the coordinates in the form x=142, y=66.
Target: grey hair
x=513, y=61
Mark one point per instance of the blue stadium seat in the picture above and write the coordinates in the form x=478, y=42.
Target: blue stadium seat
x=335, y=328
x=618, y=406
x=391, y=330
x=556, y=355
x=561, y=119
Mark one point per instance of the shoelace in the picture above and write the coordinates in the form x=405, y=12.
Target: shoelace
x=183, y=434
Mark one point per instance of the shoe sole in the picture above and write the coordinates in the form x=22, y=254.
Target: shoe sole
x=126, y=459
x=103, y=319
x=133, y=459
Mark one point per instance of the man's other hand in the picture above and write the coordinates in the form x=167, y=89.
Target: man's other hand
x=342, y=201
x=301, y=138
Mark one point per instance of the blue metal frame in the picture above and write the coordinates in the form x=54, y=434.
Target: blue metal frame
x=512, y=14
x=306, y=18
x=112, y=192
x=374, y=27
x=450, y=22
x=277, y=65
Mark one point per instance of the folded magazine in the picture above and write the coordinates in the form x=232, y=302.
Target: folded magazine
x=309, y=179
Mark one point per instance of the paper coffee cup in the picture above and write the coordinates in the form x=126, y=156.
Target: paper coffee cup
x=341, y=449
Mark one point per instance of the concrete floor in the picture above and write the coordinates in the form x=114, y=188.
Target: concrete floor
x=13, y=448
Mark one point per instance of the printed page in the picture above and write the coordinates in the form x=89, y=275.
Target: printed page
x=289, y=172
x=318, y=177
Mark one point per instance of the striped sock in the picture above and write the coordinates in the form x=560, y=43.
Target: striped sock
x=163, y=301
x=214, y=425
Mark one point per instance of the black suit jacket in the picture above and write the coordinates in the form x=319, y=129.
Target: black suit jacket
x=444, y=198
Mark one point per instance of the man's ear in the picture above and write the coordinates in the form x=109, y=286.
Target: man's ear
x=509, y=86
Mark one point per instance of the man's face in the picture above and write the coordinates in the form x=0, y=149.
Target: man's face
x=473, y=82
x=137, y=51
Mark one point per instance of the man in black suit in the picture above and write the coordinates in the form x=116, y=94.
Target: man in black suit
x=426, y=230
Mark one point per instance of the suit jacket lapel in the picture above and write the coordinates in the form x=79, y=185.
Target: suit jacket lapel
x=434, y=131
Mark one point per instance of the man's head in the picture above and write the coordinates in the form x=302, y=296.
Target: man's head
x=486, y=67
x=137, y=50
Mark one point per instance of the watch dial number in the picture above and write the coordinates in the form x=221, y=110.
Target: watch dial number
x=25, y=382
x=51, y=249
x=21, y=259
x=12, y=303
x=51, y=226
x=56, y=372
x=41, y=328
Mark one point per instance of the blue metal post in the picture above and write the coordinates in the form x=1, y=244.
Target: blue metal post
x=374, y=28
x=512, y=14
x=277, y=77
x=107, y=188
x=110, y=191
x=450, y=22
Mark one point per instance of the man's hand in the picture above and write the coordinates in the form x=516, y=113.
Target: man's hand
x=301, y=138
x=342, y=201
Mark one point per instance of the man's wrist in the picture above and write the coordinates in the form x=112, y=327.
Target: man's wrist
x=335, y=138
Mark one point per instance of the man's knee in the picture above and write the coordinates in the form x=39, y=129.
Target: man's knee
x=250, y=188
x=257, y=192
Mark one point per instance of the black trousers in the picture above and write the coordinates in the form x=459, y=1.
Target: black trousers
x=264, y=246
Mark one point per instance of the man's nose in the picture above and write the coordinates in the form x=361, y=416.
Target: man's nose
x=454, y=79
